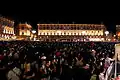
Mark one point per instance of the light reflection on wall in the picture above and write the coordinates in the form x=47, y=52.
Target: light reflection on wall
x=71, y=32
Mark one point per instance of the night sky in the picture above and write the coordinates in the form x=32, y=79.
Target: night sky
x=33, y=19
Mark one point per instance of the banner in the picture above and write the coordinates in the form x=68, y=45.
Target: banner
x=117, y=57
x=117, y=51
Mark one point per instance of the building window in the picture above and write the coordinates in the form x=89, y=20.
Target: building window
x=68, y=33
x=8, y=31
x=74, y=33
x=40, y=28
x=4, y=31
x=22, y=33
x=22, y=28
x=48, y=33
x=44, y=33
x=52, y=33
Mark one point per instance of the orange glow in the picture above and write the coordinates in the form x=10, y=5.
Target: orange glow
x=119, y=34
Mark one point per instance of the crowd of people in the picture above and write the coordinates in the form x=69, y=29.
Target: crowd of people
x=24, y=60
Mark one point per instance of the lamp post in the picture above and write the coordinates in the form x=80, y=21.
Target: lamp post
x=106, y=33
x=34, y=32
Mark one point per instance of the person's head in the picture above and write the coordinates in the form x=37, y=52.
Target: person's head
x=27, y=67
x=101, y=70
x=119, y=76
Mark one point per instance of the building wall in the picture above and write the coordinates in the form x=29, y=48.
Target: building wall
x=6, y=29
x=23, y=31
x=118, y=31
x=71, y=31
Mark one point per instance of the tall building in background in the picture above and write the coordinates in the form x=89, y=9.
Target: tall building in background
x=23, y=31
x=71, y=32
x=6, y=29
x=118, y=31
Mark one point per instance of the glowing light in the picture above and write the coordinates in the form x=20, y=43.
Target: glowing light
x=109, y=39
x=45, y=33
x=118, y=34
x=76, y=33
x=33, y=31
x=83, y=32
x=52, y=33
x=41, y=33
x=48, y=33
x=58, y=31
x=106, y=32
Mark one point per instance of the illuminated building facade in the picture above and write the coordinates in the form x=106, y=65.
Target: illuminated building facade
x=71, y=32
x=118, y=32
x=6, y=29
x=23, y=31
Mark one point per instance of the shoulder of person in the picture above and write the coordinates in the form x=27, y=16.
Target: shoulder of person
x=10, y=73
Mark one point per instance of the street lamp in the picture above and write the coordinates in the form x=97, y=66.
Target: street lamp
x=106, y=33
x=34, y=32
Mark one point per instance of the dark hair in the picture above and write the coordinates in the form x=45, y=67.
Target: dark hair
x=101, y=69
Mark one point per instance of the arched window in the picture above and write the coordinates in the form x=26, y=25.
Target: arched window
x=8, y=32
x=64, y=33
x=68, y=33
x=44, y=33
x=74, y=33
x=22, y=33
x=22, y=27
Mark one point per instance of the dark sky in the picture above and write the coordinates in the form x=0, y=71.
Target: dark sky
x=33, y=19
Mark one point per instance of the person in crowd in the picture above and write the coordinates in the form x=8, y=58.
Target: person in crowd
x=118, y=77
x=28, y=72
x=61, y=60
x=2, y=70
x=101, y=75
x=14, y=73
x=108, y=61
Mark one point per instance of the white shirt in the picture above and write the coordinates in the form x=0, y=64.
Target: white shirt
x=101, y=76
x=12, y=74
